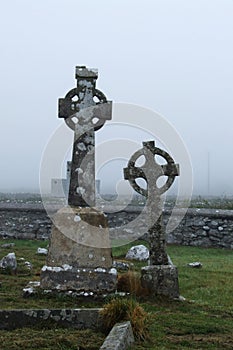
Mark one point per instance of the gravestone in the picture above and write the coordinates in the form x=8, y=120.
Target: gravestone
x=79, y=257
x=160, y=277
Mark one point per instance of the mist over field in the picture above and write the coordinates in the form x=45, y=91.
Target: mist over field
x=172, y=57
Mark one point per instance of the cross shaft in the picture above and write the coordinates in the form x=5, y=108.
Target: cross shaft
x=151, y=171
x=85, y=110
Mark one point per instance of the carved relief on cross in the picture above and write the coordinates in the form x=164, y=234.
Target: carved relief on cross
x=151, y=171
x=85, y=109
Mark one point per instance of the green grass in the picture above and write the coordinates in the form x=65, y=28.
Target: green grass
x=203, y=321
x=47, y=339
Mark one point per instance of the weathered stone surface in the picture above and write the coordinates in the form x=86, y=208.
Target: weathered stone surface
x=120, y=265
x=138, y=252
x=161, y=280
x=7, y=245
x=15, y=221
x=79, y=257
x=159, y=277
x=24, y=222
x=31, y=288
x=196, y=264
x=28, y=265
x=9, y=262
x=42, y=251
x=80, y=238
x=75, y=318
x=65, y=278
x=84, y=115
x=120, y=337
x=157, y=239
x=151, y=170
x=82, y=180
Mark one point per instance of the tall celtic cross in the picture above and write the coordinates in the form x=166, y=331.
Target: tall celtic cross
x=151, y=171
x=85, y=110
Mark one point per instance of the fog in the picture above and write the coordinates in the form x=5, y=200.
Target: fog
x=170, y=56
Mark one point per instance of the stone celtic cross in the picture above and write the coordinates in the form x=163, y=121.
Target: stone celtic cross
x=85, y=110
x=79, y=257
x=151, y=171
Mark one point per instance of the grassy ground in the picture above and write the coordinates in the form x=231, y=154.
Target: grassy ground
x=47, y=339
x=203, y=321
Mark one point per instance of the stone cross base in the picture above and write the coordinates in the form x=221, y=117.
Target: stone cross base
x=89, y=281
x=79, y=256
x=161, y=280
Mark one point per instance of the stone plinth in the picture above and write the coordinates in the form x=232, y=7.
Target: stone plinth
x=68, y=278
x=80, y=238
x=79, y=256
x=75, y=318
x=161, y=280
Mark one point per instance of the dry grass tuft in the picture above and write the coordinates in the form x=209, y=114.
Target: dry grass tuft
x=130, y=282
x=122, y=309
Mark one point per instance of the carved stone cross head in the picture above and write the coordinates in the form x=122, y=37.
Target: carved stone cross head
x=151, y=170
x=83, y=96
x=85, y=110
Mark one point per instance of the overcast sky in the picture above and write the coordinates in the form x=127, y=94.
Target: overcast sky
x=172, y=56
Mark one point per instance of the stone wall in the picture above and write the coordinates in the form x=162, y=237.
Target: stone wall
x=199, y=227
x=206, y=228
x=24, y=224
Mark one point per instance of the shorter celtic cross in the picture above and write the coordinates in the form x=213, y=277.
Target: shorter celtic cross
x=85, y=110
x=151, y=171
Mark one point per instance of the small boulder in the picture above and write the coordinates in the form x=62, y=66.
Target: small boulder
x=138, y=252
x=120, y=265
x=24, y=267
x=7, y=245
x=9, y=262
x=31, y=289
x=28, y=265
x=196, y=265
x=42, y=251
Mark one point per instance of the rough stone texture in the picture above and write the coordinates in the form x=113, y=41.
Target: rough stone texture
x=195, y=265
x=75, y=318
x=42, y=251
x=120, y=337
x=120, y=265
x=82, y=179
x=157, y=239
x=84, y=115
x=67, y=278
x=161, y=280
x=80, y=238
x=24, y=222
x=79, y=257
x=138, y=252
x=8, y=245
x=191, y=230
x=31, y=222
x=151, y=171
x=9, y=262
